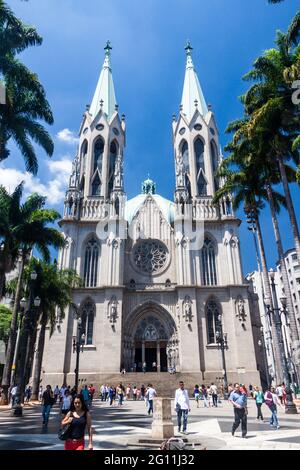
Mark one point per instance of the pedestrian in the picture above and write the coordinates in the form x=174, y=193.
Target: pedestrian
x=47, y=403
x=128, y=392
x=80, y=418
x=143, y=392
x=151, y=393
x=66, y=403
x=92, y=391
x=239, y=402
x=214, y=394
x=272, y=400
x=120, y=393
x=86, y=395
x=259, y=399
x=28, y=393
x=205, y=396
x=56, y=393
x=134, y=393
x=112, y=395
x=13, y=395
x=279, y=392
x=41, y=391
x=197, y=394
x=251, y=390
x=144, y=368
x=138, y=394
x=182, y=407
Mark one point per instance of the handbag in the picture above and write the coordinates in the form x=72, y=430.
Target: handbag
x=65, y=432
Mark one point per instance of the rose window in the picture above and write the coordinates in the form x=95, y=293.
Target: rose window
x=150, y=256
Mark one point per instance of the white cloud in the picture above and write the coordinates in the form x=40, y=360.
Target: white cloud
x=54, y=189
x=67, y=136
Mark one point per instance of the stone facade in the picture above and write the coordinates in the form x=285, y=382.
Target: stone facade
x=159, y=277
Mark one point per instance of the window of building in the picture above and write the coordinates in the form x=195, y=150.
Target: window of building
x=208, y=262
x=112, y=163
x=87, y=318
x=298, y=280
x=200, y=167
x=294, y=257
x=215, y=163
x=91, y=263
x=212, y=313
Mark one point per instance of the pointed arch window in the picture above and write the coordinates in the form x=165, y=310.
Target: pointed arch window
x=98, y=155
x=200, y=167
x=208, y=261
x=87, y=318
x=213, y=310
x=184, y=149
x=91, y=258
x=113, y=151
x=96, y=185
x=84, y=151
x=215, y=163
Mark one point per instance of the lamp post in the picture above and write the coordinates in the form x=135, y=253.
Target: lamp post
x=262, y=345
x=78, y=342
x=290, y=407
x=221, y=339
x=24, y=334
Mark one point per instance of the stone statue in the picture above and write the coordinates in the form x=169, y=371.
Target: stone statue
x=179, y=171
x=240, y=309
x=113, y=311
x=187, y=309
x=118, y=174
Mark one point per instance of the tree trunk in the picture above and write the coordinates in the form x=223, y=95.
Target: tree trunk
x=39, y=360
x=12, y=336
x=274, y=345
x=30, y=353
x=286, y=285
x=290, y=207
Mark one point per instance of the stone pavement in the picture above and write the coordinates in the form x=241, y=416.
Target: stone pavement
x=115, y=427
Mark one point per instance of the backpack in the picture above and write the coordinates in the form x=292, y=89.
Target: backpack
x=269, y=400
x=174, y=443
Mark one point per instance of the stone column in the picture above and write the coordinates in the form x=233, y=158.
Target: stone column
x=158, y=356
x=143, y=352
x=162, y=425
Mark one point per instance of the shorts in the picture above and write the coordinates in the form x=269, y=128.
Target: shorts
x=74, y=444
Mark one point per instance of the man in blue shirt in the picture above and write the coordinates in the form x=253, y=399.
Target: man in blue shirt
x=239, y=401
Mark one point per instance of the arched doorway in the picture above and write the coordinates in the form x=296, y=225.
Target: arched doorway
x=150, y=342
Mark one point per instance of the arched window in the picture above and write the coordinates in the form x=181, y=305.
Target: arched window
x=200, y=167
x=112, y=163
x=184, y=149
x=213, y=324
x=96, y=185
x=215, y=163
x=98, y=155
x=84, y=151
x=91, y=263
x=208, y=261
x=87, y=318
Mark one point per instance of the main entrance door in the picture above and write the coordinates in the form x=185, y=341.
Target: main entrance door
x=151, y=356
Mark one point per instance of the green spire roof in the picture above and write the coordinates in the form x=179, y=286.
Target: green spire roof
x=104, y=96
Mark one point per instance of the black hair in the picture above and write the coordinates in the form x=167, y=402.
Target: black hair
x=83, y=404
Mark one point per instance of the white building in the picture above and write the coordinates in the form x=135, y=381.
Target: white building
x=157, y=273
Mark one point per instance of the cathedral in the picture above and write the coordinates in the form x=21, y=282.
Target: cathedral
x=162, y=282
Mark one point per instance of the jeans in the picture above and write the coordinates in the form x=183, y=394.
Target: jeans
x=259, y=413
x=240, y=417
x=120, y=399
x=150, y=406
x=206, y=403
x=180, y=414
x=215, y=399
x=46, y=413
x=273, y=419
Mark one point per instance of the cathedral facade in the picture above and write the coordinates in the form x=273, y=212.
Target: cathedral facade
x=161, y=280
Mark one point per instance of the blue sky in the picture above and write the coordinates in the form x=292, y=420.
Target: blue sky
x=148, y=61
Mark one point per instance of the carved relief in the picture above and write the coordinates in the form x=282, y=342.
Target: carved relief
x=240, y=309
x=112, y=313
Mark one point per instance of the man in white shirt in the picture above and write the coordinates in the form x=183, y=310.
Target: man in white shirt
x=151, y=393
x=182, y=406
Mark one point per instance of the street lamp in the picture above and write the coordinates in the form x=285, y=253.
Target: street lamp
x=221, y=339
x=290, y=407
x=262, y=345
x=24, y=334
x=78, y=342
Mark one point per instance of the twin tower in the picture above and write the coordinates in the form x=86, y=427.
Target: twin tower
x=150, y=294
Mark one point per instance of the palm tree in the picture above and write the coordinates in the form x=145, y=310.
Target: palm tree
x=246, y=185
x=54, y=287
x=27, y=228
x=272, y=112
x=26, y=101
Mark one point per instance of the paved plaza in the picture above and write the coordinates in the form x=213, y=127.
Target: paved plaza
x=114, y=427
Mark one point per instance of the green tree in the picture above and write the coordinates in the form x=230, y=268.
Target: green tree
x=26, y=102
x=26, y=228
x=5, y=320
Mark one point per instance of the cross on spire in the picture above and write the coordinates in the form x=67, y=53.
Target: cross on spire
x=188, y=48
x=108, y=48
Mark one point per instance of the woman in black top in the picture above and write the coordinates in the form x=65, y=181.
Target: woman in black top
x=80, y=418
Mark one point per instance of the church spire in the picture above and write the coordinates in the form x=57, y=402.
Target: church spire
x=192, y=95
x=104, y=96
